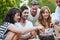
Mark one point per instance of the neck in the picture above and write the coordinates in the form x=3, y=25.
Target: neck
x=22, y=20
x=46, y=23
x=45, y=20
x=33, y=14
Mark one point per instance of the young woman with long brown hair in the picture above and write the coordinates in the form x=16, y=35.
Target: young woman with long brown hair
x=44, y=20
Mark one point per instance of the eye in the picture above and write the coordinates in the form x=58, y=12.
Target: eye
x=43, y=13
x=56, y=1
x=18, y=14
x=59, y=1
x=26, y=12
x=47, y=12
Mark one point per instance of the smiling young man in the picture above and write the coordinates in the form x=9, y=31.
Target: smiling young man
x=33, y=12
x=25, y=24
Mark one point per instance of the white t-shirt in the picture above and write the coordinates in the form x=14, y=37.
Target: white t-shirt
x=57, y=10
x=57, y=13
x=33, y=19
x=56, y=16
x=27, y=26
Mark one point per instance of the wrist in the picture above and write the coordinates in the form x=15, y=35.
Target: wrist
x=36, y=28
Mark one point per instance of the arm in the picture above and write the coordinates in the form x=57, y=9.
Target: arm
x=33, y=34
x=12, y=28
x=56, y=30
x=24, y=37
x=59, y=30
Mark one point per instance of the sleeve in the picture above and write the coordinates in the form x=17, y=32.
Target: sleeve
x=16, y=24
x=54, y=17
x=57, y=10
x=31, y=25
x=3, y=29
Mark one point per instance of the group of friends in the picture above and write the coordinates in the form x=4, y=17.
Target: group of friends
x=27, y=23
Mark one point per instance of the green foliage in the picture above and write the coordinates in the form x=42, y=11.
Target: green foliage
x=5, y=5
x=50, y=3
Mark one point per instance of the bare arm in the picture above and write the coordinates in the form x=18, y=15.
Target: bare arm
x=56, y=30
x=33, y=34
x=12, y=28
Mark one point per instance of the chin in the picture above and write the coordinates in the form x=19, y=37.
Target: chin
x=46, y=17
x=24, y=18
x=58, y=5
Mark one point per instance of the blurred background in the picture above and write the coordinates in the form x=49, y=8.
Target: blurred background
x=5, y=5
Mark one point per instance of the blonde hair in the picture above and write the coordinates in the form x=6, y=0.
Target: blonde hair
x=40, y=18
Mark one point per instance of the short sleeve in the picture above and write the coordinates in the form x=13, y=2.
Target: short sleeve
x=3, y=29
x=30, y=24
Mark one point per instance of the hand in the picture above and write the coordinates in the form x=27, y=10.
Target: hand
x=33, y=34
x=56, y=22
x=41, y=28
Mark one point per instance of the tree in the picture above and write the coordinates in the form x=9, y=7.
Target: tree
x=5, y=5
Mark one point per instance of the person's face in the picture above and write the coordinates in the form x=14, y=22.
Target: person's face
x=34, y=9
x=45, y=15
x=58, y=2
x=25, y=14
x=16, y=17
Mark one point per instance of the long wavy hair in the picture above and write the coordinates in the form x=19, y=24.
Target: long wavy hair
x=41, y=19
x=10, y=15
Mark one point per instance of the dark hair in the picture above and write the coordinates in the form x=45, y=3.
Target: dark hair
x=10, y=15
x=34, y=2
x=23, y=8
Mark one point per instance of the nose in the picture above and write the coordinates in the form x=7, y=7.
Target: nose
x=26, y=13
x=58, y=3
x=35, y=10
x=18, y=16
x=45, y=13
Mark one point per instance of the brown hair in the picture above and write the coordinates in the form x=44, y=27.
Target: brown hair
x=40, y=18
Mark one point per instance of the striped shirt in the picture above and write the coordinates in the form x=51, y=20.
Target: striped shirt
x=3, y=29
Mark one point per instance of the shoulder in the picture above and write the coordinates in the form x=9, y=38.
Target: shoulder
x=39, y=9
x=28, y=21
x=52, y=14
x=57, y=9
x=6, y=24
x=17, y=23
x=38, y=24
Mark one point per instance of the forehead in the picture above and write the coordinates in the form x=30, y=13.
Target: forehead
x=34, y=5
x=25, y=10
x=17, y=13
x=46, y=10
x=57, y=0
x=34, y=8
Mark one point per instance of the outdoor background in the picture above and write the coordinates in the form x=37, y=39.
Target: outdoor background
x=5, y=5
